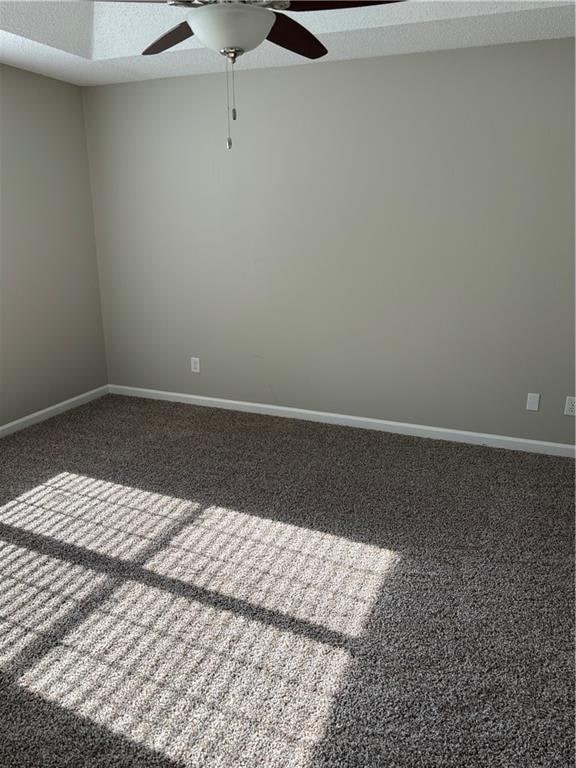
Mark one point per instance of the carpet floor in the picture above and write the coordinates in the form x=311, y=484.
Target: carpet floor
x=186, y=587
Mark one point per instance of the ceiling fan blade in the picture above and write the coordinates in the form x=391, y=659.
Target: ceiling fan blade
x=330, y=5
x=169, y=39
x=288, y=34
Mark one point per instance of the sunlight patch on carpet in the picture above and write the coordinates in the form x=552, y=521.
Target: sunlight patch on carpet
x=193, y=631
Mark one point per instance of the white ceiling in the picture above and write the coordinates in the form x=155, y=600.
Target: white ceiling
x=90, y=43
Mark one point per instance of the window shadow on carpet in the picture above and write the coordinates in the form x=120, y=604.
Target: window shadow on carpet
x=201, y=634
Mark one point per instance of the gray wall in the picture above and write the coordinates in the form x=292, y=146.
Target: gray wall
x=389, y=238
x=51, y=339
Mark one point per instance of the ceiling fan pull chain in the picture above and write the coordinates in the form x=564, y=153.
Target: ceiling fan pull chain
x=229, y=139
x=234, y=110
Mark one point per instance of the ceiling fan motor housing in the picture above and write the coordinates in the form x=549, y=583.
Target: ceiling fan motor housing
x=234, y=26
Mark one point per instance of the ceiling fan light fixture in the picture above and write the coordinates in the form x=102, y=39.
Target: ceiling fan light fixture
x=231, y=26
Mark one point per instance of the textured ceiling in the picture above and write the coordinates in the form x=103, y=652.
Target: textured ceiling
x=94, y=43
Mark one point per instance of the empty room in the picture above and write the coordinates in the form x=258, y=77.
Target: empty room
x=287, y=392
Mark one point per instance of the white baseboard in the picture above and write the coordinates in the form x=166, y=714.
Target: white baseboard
x=53, y=410
x=397, y=427
x=361, y=422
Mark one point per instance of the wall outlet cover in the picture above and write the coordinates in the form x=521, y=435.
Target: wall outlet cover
x=570, y=407
x=533, y=401
x=195, y=364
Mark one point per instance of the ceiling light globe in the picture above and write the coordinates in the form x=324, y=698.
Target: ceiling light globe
x=226, y=26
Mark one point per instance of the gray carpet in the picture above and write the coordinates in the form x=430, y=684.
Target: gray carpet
x=191, y=587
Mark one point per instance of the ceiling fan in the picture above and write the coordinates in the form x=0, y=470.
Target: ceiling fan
x=233, y=27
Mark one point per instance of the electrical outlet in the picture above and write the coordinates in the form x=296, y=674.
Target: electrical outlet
x=195, y=364
x=570, y=407
x=533, y=401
